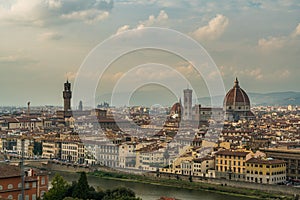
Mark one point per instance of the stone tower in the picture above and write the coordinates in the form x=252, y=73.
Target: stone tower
x=80, y=106
x=187, y=104
x=67, y=94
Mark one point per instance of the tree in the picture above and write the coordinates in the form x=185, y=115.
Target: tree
x=120, y=194
x=58, y=190
x=82, y=188
x=37, y=148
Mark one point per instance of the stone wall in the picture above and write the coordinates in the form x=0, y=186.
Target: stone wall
x=278, y=189
x=66, y=167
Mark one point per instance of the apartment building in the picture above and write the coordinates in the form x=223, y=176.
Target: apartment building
x=231, y=164
x=266, y=171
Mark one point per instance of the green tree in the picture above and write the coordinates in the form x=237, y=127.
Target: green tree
x=37, y=148
x=58, y=190
x=120, y=194
x=82, y=188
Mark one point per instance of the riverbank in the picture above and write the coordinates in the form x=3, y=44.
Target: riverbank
x=150, y=191
x=221, y=189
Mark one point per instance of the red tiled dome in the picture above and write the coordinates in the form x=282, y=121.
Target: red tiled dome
x=236, y=96
x=176, y=108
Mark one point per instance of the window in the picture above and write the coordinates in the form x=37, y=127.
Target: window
x=10, y=197
x=1, y=187
x=10, y=186
x=26, y=185
x=43, y=181
x=33, y=197
x=26, y=197
x=19, y=185
x=20, y=197
x=34, y=185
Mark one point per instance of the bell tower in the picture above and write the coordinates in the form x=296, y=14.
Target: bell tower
x=67, y=94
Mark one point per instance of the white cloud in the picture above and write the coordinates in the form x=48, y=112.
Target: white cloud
x=161, y=17
x=50, y=36
x=296, y=31
x=88, y=16
x=152, y=20
x=40, y=12
x=54, y=4
x=271, y=43
x=123, y=28
x=213, y=30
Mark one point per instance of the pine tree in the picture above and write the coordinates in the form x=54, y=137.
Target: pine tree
x=82, y=188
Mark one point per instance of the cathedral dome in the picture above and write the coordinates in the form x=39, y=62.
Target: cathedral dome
x=236, y=98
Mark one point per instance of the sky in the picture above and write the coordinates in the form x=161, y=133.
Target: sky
x=44, y=42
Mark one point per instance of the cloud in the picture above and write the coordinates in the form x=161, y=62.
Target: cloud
x=49, y=36
x=296, y=31
x=88, y=16
x=17, y=59
x=161, y=17
x=254, y=73
x=123, y=28
x=42, y=12
x=54, y=4
x=271, y=43
x=213, y=30
x=152, y=20
x=71, y=75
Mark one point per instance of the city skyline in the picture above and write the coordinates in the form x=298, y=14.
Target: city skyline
x=45, y=42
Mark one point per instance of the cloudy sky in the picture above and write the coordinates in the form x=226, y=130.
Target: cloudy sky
x=45, y=41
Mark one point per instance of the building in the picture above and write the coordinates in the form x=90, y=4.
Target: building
x=127, y=155
x=35, y=183
x=206, y=113
x=80, y=106
x=73, y=150
x=28, y=147
x=231, y=164
x=266, y=171
x=201, y=166
x=107, y=154
x=187, y=104
x=236, y=104
x=290, y=155
x=51, y=149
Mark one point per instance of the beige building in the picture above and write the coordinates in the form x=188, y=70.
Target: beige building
x=73, y=151
x=127, y=155
x=201, y=166
x=51, y=149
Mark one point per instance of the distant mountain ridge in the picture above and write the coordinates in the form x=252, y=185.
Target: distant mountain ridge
x=260, y=99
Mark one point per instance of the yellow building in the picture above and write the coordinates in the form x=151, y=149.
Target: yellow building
x=51, y=149
x=231, y=164
x=267, y=171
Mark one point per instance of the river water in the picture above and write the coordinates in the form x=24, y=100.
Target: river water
x=150, y=191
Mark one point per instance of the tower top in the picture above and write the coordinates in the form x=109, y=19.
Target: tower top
x=236, y=82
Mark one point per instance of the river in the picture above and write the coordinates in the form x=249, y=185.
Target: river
x=149, y=191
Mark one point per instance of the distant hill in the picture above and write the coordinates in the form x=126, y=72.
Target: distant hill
x=272, y=99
